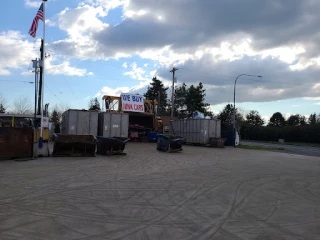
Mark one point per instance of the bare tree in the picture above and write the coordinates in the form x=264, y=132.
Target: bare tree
x=62, y=107
x=59, y=109
x=22, y=105
x=3, y=103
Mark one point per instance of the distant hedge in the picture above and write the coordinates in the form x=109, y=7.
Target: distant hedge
x=305, y=133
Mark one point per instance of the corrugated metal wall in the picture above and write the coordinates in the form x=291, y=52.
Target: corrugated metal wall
x=113, y=125
x=16, y=142
x=197, y=131
x=80, y=122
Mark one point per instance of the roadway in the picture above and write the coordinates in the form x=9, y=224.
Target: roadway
x=294, y=149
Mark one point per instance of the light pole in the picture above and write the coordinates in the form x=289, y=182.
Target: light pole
x=172, y=96
x=234, y=104
x=36, y=71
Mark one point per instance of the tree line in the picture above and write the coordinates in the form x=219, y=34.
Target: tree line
x=21, y=105
x=251, y=126
x=187, y=99
x=296, y=128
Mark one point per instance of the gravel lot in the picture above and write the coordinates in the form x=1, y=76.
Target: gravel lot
x=200, y=193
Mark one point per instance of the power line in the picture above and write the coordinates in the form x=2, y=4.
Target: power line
x=4, y=80
x=72, y=92
x=53, y=93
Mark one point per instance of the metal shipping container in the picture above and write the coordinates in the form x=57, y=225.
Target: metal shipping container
x=113, y=125
x=80, y=122
x=16, y=142
x=197, y=131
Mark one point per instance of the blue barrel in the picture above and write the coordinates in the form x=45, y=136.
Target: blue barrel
x=169, y=143
x=152, y=136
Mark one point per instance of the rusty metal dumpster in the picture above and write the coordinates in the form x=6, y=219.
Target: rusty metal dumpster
x=111, y=146
x=217, y=142
x=16, y=142
x=69, y=145
x=169, y=143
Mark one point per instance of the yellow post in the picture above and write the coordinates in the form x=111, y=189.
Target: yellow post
x=12, y=122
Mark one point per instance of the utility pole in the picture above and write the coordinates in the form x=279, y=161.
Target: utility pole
x=158, y=107
x=172, y=96
x=36, y=69
x=41, y=78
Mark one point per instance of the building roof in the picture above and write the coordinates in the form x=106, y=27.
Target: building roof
x=18, y=115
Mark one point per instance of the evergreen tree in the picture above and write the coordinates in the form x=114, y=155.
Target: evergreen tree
x=94, y=104
x=312, y=118
x=180, y=100
x=296, y=120
x=277, y=120
x=254, y=118
x=56, y=119
x=2, y=109
x=156, y=87
x=195, y=99
x=226, y=117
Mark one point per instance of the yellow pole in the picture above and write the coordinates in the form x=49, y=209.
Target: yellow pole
x=12, y=122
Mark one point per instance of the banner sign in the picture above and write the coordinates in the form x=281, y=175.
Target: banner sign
x=132, y=103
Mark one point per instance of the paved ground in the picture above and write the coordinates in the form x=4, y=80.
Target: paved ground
x=295, y=149
x=200, y=193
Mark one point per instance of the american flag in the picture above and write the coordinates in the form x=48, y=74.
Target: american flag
x=34, y=26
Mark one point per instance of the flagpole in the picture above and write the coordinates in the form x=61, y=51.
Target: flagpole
x=43, y=70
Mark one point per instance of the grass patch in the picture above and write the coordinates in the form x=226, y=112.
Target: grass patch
x=303, y=144
x=259, y=147
x=288, y=143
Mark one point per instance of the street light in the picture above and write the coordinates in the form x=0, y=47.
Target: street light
x=234, y=104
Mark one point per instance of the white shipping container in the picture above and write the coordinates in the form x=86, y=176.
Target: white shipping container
x=197, y=131
x=113, y=124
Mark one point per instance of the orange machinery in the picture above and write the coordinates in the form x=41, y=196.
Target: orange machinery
x=114, y=104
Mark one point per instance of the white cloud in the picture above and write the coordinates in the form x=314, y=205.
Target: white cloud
x=32, y=3
x=137, y=89
x=287, y=115
x=125, y=65
x=112, y=91
x=312, y=98
x=16, y=52
x=137, y=73
x=206, y=46
x=106, y=4
x=64, y=68
x=50, y=23
x=318, y=103
x=4, y=72
x=82, y=20
x=61, y=67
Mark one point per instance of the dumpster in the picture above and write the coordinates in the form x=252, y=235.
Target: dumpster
x=69, y=145
x=111, y=146
x=217, y=142
x=152, y=136
x=81, y=122
x=16, y=142
x=113, y=124
x=196, y=131
x=169, y=143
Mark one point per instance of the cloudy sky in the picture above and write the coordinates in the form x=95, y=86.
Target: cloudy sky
x=98, y=47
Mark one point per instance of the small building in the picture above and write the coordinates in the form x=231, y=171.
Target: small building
x=17, y=120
